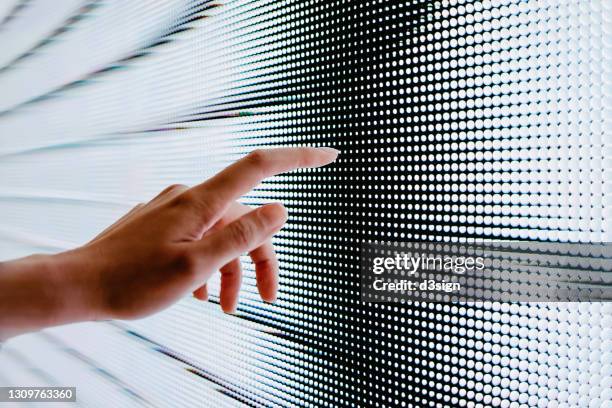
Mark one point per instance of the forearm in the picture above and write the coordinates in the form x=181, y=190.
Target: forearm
x=42, y=291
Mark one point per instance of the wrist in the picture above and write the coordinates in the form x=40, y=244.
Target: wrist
x=45, y=290
x=74, y=280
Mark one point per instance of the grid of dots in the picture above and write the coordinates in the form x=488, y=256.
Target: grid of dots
x=457, y=121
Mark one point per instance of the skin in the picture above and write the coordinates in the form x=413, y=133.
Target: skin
x=158, y=252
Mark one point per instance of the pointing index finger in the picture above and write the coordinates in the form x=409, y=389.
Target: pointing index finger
x=248, y=172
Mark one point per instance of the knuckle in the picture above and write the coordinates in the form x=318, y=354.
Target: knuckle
x=205, y=208
x=190, y=202
x=175, y=187
x=185, y=199
x=259, y=221
x=242, y=233
x=257, y=155
x=259, y=160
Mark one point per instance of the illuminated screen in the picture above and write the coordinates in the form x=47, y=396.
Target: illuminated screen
x=457, y=121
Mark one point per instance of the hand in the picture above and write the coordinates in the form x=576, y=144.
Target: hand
x=264, y=257
x=172, y=245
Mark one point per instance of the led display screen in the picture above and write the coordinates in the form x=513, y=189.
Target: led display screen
x=457, y=121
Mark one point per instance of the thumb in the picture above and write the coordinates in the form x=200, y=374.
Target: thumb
x=241, y=236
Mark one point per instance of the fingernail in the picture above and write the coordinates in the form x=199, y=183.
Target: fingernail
x=330, y=150
x=230, y=310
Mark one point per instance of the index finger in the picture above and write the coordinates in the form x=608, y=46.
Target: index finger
x=242, y=176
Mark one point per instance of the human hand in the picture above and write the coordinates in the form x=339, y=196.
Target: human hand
x=263, y=257
x=161, y=250
x=172, y=245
